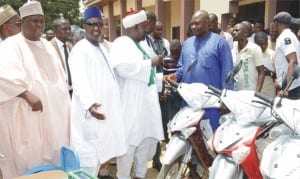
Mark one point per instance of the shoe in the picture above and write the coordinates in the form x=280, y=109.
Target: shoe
x=105, y=177
x=157, y=165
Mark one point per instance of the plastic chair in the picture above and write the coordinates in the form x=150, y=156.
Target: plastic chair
x=79, y=174
x=69, y=161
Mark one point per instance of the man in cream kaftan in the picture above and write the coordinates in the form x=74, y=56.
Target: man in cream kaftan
x=31, y=138
x=96, y=139
x=34, y=122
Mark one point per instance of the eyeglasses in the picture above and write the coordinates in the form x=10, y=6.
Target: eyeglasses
x=94, y=24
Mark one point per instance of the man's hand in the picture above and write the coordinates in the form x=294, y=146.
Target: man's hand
x=95, y=113
x=33, y=101
x=169, y=77
x=281, y=94
x=157, y=60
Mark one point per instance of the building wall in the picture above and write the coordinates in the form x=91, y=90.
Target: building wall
x=219, y=8
x=172, y=10
x=148, y=3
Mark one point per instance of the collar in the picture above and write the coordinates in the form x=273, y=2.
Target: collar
x=59, y=42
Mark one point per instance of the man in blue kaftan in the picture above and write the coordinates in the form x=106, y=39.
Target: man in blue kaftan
x=205, y=58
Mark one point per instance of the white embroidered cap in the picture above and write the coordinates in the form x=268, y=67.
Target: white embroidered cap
x=31, y=8
x=133, y=19
x=6, y=13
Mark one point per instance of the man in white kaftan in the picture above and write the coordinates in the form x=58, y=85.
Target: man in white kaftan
x=96, y=137
x=140, y=107
x=34, y=122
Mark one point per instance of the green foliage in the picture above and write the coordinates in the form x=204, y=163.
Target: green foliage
x=53, y=9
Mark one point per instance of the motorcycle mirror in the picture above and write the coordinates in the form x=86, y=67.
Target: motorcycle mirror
x=233, y=72
x=286, y=85
x=284, y=82
x=296, y=73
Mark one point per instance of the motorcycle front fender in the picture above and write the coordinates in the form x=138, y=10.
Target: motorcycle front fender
x=224, y=167
x=175, y=148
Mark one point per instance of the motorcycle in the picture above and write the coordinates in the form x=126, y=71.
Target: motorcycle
x=189, y=132
x=234, y=140
x=281, y=158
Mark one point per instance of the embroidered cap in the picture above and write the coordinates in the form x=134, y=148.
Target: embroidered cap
x=133, y=19
x=283, y=17
x=30, y=8
x=6, y=13
x=91, y=12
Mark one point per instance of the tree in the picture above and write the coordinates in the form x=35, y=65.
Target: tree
x=53, y=9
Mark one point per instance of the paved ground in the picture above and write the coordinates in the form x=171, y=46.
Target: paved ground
x=151, y=173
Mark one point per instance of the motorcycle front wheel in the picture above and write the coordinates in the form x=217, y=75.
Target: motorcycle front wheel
x=175, y=170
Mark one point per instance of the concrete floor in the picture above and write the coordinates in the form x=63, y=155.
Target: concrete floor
x=151, y=172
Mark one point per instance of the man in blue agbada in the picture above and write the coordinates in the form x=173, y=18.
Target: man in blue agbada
x=205, y=58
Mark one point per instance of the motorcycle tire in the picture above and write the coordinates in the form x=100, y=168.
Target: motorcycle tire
x=171, y=171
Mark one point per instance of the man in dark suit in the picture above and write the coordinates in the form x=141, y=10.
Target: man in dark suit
x=62, y=30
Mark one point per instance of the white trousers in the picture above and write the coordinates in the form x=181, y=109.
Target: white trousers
x=139, y=156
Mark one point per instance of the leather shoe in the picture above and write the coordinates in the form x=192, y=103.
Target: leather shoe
x=106, y=177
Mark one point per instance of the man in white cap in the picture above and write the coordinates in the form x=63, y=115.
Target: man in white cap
x=287, y=53
x=140, y=107
x=97, y=132
x=34, y=98
x=10, y=22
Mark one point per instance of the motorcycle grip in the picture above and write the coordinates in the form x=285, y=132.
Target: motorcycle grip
x=264, y=97
x=215, y=90
x=173, y=83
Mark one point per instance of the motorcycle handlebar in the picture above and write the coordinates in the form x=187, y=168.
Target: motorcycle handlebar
x=215, y=90
x=264, y=97
x=173, y=83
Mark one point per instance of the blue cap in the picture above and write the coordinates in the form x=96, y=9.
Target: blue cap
x=91, y=12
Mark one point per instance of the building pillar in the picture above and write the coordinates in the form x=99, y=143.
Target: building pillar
x=187, y=10
x=138, y=4
x=122, y=14
x=159, y=11
x=111, y=21
x=270, y=12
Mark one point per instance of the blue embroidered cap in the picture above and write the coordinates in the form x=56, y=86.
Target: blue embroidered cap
x=91, y=12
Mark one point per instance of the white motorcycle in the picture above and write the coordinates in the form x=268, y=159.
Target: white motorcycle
x=187, y=137
x=234, y=140
x=190, y=132
x=281, y=158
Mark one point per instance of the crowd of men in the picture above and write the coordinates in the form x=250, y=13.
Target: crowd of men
x=107, y=99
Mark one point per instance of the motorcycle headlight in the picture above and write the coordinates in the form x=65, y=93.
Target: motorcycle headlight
x=240, y=154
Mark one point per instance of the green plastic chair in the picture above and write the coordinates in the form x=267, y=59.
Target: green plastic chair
x=79, y=174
